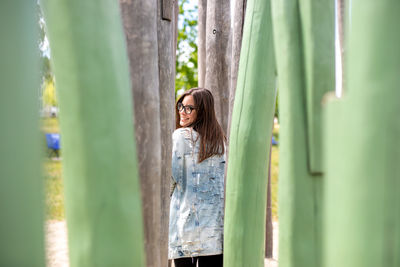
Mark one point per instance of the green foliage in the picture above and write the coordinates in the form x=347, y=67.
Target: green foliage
x=49, y=93
x=47, y=90
x=43, y=44
x=186, y=54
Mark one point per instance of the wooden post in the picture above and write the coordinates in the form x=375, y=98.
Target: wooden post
x=237, y=35
x=201, y=45
x=362, y=145
x=218, y=51
x=269, y=240
x=21, y=184
x=166, y=66
x=250, y=139
x=102, y=193
x=304, y=33
x=151, y=46
x=141, y=27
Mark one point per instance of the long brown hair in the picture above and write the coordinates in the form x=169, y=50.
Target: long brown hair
x=212, y=136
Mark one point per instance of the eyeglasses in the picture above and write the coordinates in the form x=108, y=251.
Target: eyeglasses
x=187, y=109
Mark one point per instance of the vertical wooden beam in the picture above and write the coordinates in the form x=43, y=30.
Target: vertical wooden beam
x=201, y=45
x=218, y=51
x=250, y=139
x=167, y=9
x=303, y=32
x=269, y=241
x=362, y=223
x=102, y=193
x=237, y=35
x=21, y=184
x=317, y=22
x=166, y=40
x=141, y=24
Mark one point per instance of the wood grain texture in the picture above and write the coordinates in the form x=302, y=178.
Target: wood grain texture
x=218, y=57
x=141, y=29
x=201, y=45
x=167, y=9
x=237, y=34
x=166, y=32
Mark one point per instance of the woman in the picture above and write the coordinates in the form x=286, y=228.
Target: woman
x=198, y=164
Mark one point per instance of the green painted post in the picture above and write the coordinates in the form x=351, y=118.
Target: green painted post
x=305, y=63
x=102, y=194
x=362, y=225
x=250, y=137
x=318, y=43
x=21, y=185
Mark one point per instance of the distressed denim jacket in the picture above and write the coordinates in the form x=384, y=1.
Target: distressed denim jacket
x=197, y=202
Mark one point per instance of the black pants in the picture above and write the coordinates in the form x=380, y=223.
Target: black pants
x=204, y=261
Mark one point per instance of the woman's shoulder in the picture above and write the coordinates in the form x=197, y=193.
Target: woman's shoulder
x=184, y=133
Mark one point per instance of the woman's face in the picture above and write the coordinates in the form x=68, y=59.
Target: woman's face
x=188, y=104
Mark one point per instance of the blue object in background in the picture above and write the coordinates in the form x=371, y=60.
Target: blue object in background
x=53, y=143
x=274, y=142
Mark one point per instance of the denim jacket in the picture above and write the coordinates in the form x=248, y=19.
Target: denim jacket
x=197, y=202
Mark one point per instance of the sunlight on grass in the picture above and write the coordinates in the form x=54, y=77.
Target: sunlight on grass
x=54, y=190
x=54, y=187
x=50, y=125
x=274, y=181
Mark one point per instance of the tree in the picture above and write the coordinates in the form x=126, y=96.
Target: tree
x=186, y=54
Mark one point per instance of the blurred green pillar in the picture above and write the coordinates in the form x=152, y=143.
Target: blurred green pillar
x=250, y=139
x=304, y=45
x=102, y=194
x=21, y=185
x=362, y=226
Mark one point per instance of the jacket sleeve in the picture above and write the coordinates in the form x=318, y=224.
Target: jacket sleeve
x=178, y=152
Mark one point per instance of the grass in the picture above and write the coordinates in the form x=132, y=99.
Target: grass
x=55, y=188
x=274, y=181
x=50, y=125
x=275, y=174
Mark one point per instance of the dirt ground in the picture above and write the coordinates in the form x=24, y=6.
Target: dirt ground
x=57, y=245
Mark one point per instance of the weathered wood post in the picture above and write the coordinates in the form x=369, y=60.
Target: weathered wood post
x=167, y=15
x=218, y=51
x=304, y=45
x=362, y=223
x=237, y=36
x=21, y=185
x=250, y=139
x=150, y=33
x=201, y=45
x=102, y=193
